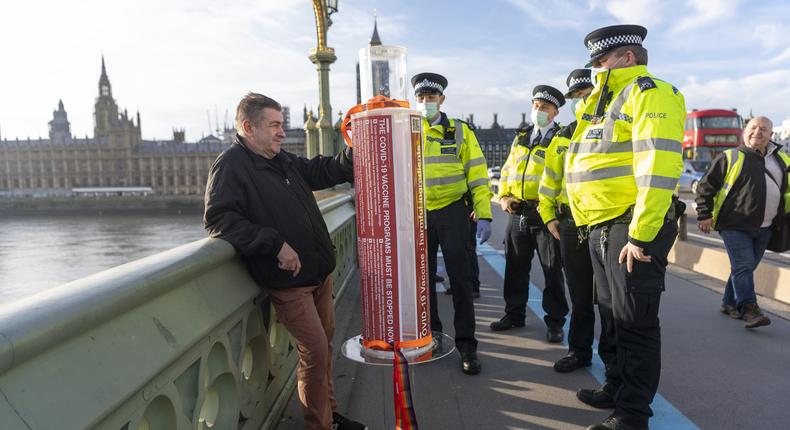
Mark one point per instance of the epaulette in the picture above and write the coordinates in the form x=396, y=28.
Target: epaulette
x=567, y=131
x=645, y=83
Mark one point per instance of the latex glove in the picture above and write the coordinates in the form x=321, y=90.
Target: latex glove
x=483, y=230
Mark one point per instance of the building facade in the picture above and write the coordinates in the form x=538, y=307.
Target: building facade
x=116, y=155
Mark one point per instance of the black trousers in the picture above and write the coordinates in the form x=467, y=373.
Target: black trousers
x=521, y=242
x=448, y=227
x=472, y=250
x=579, y=277
x=629, y=303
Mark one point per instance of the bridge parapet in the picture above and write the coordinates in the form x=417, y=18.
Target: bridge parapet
x=183, y=339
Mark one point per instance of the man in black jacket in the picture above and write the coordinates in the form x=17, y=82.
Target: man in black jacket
x=742, y=195
x=260, y=199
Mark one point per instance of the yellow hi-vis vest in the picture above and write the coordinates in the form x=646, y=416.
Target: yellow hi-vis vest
x=521, y=172
x=631, y=157
x=454, y=164
x=551, y=191
x=734, y=166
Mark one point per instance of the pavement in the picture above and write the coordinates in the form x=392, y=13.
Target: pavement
x=715, y=373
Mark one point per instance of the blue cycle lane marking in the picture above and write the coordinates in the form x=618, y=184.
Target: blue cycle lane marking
x=666, y=416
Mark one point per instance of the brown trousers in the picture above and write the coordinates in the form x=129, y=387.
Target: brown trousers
x=308, y=313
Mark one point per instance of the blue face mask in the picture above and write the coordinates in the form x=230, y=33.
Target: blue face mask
x=428, y=109
x=540, y=118
x=573, y=104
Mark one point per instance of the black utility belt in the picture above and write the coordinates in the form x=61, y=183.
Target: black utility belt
x=622, y=219
x=676, y=208
x=563, y=211
x=525, y=206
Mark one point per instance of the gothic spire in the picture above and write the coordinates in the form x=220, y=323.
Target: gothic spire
x=375, y=40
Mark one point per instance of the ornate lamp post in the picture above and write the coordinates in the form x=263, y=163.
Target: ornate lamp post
x=322, y=56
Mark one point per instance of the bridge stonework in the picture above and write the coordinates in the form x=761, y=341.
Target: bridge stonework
x=179, y=340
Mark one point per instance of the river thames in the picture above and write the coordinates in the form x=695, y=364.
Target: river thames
x=44, y=251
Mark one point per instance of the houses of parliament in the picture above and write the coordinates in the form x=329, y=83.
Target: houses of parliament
x=116, y=156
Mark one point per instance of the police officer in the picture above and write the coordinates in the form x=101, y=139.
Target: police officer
x=454, y=165
x=622, y=166
x=525, y=233
x=555, y=212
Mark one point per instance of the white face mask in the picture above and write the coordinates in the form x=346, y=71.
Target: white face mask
x=594, y=71
x=428, y=109
x=539, y=118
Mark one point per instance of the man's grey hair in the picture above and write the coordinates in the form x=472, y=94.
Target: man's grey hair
x=250, y=109
x=764, y=118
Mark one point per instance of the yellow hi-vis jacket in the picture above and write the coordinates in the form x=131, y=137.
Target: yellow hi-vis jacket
x=524, y=165
x=629, y=158
x=734, y=166
x=454, y=164
x=551, y=191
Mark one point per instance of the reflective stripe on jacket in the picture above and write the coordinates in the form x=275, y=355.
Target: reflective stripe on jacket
x=551, y=191
x=631, y=157
x=454, y=164
x=520, y=177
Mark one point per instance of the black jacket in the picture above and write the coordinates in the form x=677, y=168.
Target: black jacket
x=744, y=207
x=257, y=204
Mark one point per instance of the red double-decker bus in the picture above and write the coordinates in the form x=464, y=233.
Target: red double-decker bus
x=708, y=132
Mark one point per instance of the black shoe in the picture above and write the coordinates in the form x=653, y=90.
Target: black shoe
x=439, y=279
x=730, y=310
x=554, y=335
x=601, y=398
x=339, y=422
x=469, y=363
x=448, y=291
x=620, y=423
x=476, y=294
x=506, y=323
x=570, y=363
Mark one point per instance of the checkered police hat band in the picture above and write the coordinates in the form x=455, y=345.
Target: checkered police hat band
x=582, y=80
x=546, y=96
x=429, y=84
x=618, y=40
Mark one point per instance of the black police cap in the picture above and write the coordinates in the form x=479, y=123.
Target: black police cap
x=549, y=94
x=603, y=40
x=428, y=83
x=579, y=79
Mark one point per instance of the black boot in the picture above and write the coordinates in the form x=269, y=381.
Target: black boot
x=507, y=322
x=617, y=422
x=469, y=363
x=571, y=362
x=601, y=398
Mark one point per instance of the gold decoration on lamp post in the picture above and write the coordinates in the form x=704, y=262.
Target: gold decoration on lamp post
x=322, y=56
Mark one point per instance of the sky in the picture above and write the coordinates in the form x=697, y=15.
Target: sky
x=185, y=63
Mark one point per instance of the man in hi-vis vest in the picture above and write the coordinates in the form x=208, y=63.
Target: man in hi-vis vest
x=621, y=170
x=526, y=233
x=454, y=165
x=743, y=195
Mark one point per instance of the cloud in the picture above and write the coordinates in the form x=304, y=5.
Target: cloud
x=764, y=93
x=700, y=13
x=552, y=15
x=782, y=57
x=642, y=12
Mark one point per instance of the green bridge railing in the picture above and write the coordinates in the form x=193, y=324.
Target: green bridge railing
x=180, y=340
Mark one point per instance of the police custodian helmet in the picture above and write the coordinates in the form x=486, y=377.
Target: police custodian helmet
x=548, y=94
x=428, y=83
x=603, y=40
